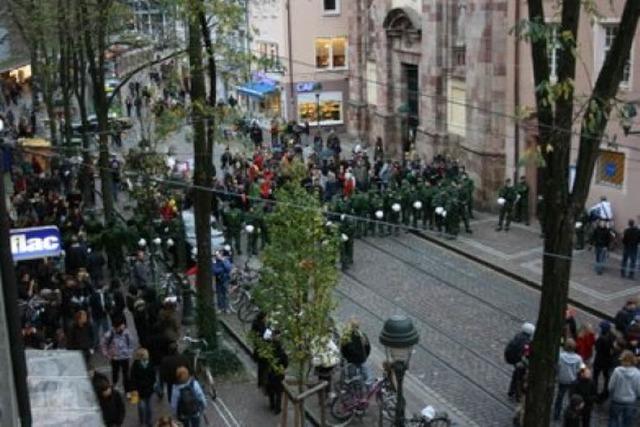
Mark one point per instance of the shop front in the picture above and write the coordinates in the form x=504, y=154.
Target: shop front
x=261, y=98
x=319, y=107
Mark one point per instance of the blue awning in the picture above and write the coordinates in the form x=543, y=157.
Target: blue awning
x=257, y=89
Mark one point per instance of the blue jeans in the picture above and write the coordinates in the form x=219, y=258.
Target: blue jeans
x=144, y=411
x=221, y=295
x=557, y=408
x=191, y=422
x=601, y=258
x=622, y=414
x=629, y=256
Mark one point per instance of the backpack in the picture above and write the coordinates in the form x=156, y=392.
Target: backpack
x=188, y=404
x=514, y=349
x=112, y=335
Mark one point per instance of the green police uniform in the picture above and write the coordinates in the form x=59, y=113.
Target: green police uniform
x=426, y=193
x=407, y=196
x=233, y=227
x=376, y=203
x=522, y=205
x=360, y=204
x=463, y=200
x=452, y=218
x=509, y=194
x=347, y=229
x=391, y=197
x=250, y=218
x=468, y=187
x=439, y=201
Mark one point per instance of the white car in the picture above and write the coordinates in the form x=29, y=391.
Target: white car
x=189, y=220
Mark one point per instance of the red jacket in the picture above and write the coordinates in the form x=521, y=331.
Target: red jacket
x=584, y=345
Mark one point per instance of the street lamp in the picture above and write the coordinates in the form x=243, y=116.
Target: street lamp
x=318, y=88
x=398, y=337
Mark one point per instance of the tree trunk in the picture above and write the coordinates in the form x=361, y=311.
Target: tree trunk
x=202, y=176
x=555, y=138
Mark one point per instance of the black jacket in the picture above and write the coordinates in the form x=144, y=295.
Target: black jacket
x=586, y=388
x=631, y=238
x=357, y=349
x=113, y=409
x=170, y=364
x=142, y=379
x=604, y=351
x=601, y=237
x=80, y=338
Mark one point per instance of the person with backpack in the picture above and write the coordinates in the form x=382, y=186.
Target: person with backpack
x=513, y=355
x=569, y=364
x=187, y=398
x=117, y=346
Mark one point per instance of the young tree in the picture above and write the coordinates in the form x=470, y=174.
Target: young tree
x=299, y=272
x=555, y=114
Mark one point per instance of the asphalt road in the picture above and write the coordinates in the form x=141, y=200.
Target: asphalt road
x=465, y=314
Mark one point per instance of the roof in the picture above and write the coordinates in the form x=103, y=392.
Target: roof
x=258, y=89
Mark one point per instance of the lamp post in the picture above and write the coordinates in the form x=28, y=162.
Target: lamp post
x=398, y=337
x=318, y=88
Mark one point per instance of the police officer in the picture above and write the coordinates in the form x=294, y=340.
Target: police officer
x=452, y=213
x=507, y=197
x=360, y=204
x=467, y=187
x=347, y=231
x=522, y=205
x=463, y=201
x=392, y=208
x=376, y=209
x=252, y=228
x=426, y=192
x=406, y=200
x=439, y=201
x=233, y=227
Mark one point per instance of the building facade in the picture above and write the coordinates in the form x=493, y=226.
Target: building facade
x=450, y=77
x=304, y=68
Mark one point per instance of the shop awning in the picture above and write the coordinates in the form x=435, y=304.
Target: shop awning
x=13, y=62
x=258, y=89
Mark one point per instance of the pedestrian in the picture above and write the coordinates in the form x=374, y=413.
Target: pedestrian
x=522, y=203
x=573, y=413
x=111, y=405
x=603, y=361
x=625, y=316
x=601, y=239
x=80, y=335
x=630, y=241
x=624, y=390
x=506, y=200
x=142, y=381
x=258, y=328
x=275, y=374
x=187, y=398
x=117, y=348
x=222, y=271
x=569, y=363
x=355, y=348
x=514, y=354
x=129, y=104
x=586, y=389
x=584, y=342
x=168, y=366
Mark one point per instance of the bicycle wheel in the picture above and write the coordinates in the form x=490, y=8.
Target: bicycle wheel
x=205, y=378
x=247, y=312
x=386, y=400
x=439, y=421
x=342, y=407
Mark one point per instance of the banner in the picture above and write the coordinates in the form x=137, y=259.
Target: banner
x=35, y=242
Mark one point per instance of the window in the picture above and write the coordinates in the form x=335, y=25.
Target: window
x=610, y=168
x=330, y=108
x=607, y=35
x=331, y=6
x=457, y=111
x=331, y=52
x=553, y=51
x=372, y=83
x=269, y=56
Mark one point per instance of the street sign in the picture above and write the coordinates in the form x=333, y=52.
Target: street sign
x=35, y=242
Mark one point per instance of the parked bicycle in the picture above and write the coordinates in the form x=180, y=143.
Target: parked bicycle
x=436, y=420
x=353, y=397
x=198, y=350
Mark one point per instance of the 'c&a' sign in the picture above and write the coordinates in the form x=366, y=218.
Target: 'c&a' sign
x=35, y=242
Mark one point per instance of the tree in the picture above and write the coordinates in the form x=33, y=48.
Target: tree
x=555, y=114
x=299, y=272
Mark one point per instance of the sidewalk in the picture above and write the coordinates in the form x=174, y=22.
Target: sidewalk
x=417, y=394
x=519, y=253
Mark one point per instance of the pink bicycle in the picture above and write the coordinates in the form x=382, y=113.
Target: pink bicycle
x=354, y=397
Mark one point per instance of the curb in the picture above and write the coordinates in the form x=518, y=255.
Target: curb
x=245, y=346
x=510, y=274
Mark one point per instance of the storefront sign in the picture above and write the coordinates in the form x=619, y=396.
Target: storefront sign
x=35, y=242
x=306, y=87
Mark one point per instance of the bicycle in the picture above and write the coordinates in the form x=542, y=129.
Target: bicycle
x=353, y=398
x=197, y=348
x=438, y=420
x=247, y=310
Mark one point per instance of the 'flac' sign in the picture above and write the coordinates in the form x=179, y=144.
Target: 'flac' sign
x=35, y=242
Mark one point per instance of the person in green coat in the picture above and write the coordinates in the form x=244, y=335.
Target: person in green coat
x=522, y=205
x=439, y=202
x=463, y=200
x=392, y=211
x=360, y=204
x=467, y=187
x=233, y=227
x=407, y=195
x=506, y=198
x=253, y=230
x=347, y=232
x=376, y=204
x=452, y=213
x=426, y=192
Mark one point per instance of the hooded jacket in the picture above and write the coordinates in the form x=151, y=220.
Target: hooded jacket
x=624, y=385
x=568, y=367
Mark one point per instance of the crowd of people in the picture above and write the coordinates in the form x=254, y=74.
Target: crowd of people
x=592, y=368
